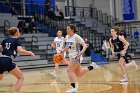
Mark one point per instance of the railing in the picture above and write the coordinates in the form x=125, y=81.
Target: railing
x=94, y=11
x=99, y=15
x=34, y=40
x=133, y=45
x=77, y=11
x=6, y=26
x=48, y=49
x=107, y=32
x=49, y=45
x=104, y=17
x=85, y=12
x=94, y=24
x=128, y=28
x=133, y=29
x=98, y=41
x=109, y=20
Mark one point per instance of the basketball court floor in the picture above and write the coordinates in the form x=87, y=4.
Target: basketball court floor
x=102, y=80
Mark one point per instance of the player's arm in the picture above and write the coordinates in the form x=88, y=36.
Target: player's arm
x=0, y=46
x=84, y=47
x=25, y=52
x=126, y=44
x=53, y=44
x=82, y=42
x=112, y=47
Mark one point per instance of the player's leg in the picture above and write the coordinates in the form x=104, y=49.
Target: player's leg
x=18, y=74
x=132, y=64
x=2, y=68
x=123, y=68
x=71, y=68
x=65, y=61
x=56, y=67
x=79, y=71
x=1, y=77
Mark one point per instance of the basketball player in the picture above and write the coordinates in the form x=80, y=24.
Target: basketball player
x=74, y=67
x=59, y=45
x=10, y=46
x=119, y=47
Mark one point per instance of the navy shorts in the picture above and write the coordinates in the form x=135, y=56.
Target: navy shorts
x=125, y=57
x=6, y=64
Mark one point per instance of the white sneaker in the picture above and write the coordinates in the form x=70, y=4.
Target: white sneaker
x=124, y=79
x=72, y=90
x=134, y=64
x=124, y=83
x=53, y=73
x=95, y=66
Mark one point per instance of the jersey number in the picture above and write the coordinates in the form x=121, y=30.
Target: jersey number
x=8, y=46
x=58, y=44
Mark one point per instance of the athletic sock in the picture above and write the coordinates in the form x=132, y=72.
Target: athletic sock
x=73, y=85
x=90, y=68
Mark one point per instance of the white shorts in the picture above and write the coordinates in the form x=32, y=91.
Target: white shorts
x=73, y=55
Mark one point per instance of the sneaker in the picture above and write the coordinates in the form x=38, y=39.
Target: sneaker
x=72, y=90
x=124, y=83
x=95, y=66
x=134, y=64
x=124, y=79
x=53, y=73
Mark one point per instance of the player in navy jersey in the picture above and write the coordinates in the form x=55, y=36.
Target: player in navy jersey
x=119, y=47
x=10, y=46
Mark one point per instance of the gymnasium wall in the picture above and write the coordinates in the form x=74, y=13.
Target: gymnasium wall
x=108, y=7
x=80, y=3
x=86, y=3
x=60, y=5
x=103, y=5
x=138, y=9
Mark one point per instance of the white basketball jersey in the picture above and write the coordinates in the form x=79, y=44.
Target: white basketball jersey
x=59, y=43
x=72, y=42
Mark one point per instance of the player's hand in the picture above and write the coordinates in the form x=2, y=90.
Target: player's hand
x=114, y=54
x=64, y=50
x=33, y=55
x=61, y=51
x=79, y=54
x=123, y=53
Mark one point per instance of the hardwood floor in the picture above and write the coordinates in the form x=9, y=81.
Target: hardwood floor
x=103, y=80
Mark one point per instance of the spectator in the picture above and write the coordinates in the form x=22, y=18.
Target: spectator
x=136, y=35
x=22, y=26
x=61, y=14
x=89, y=48
x=57, y=15
x=51, y=14
x=32, y=26
x=106, y=48
x=47, y=6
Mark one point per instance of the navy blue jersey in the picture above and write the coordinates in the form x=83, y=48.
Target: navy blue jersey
x=10, y=46
x=118, y=45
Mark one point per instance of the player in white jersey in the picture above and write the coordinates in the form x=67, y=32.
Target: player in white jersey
x=58, y=43
x=74, y=67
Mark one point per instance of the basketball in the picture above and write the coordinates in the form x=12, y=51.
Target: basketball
x=57, y=58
